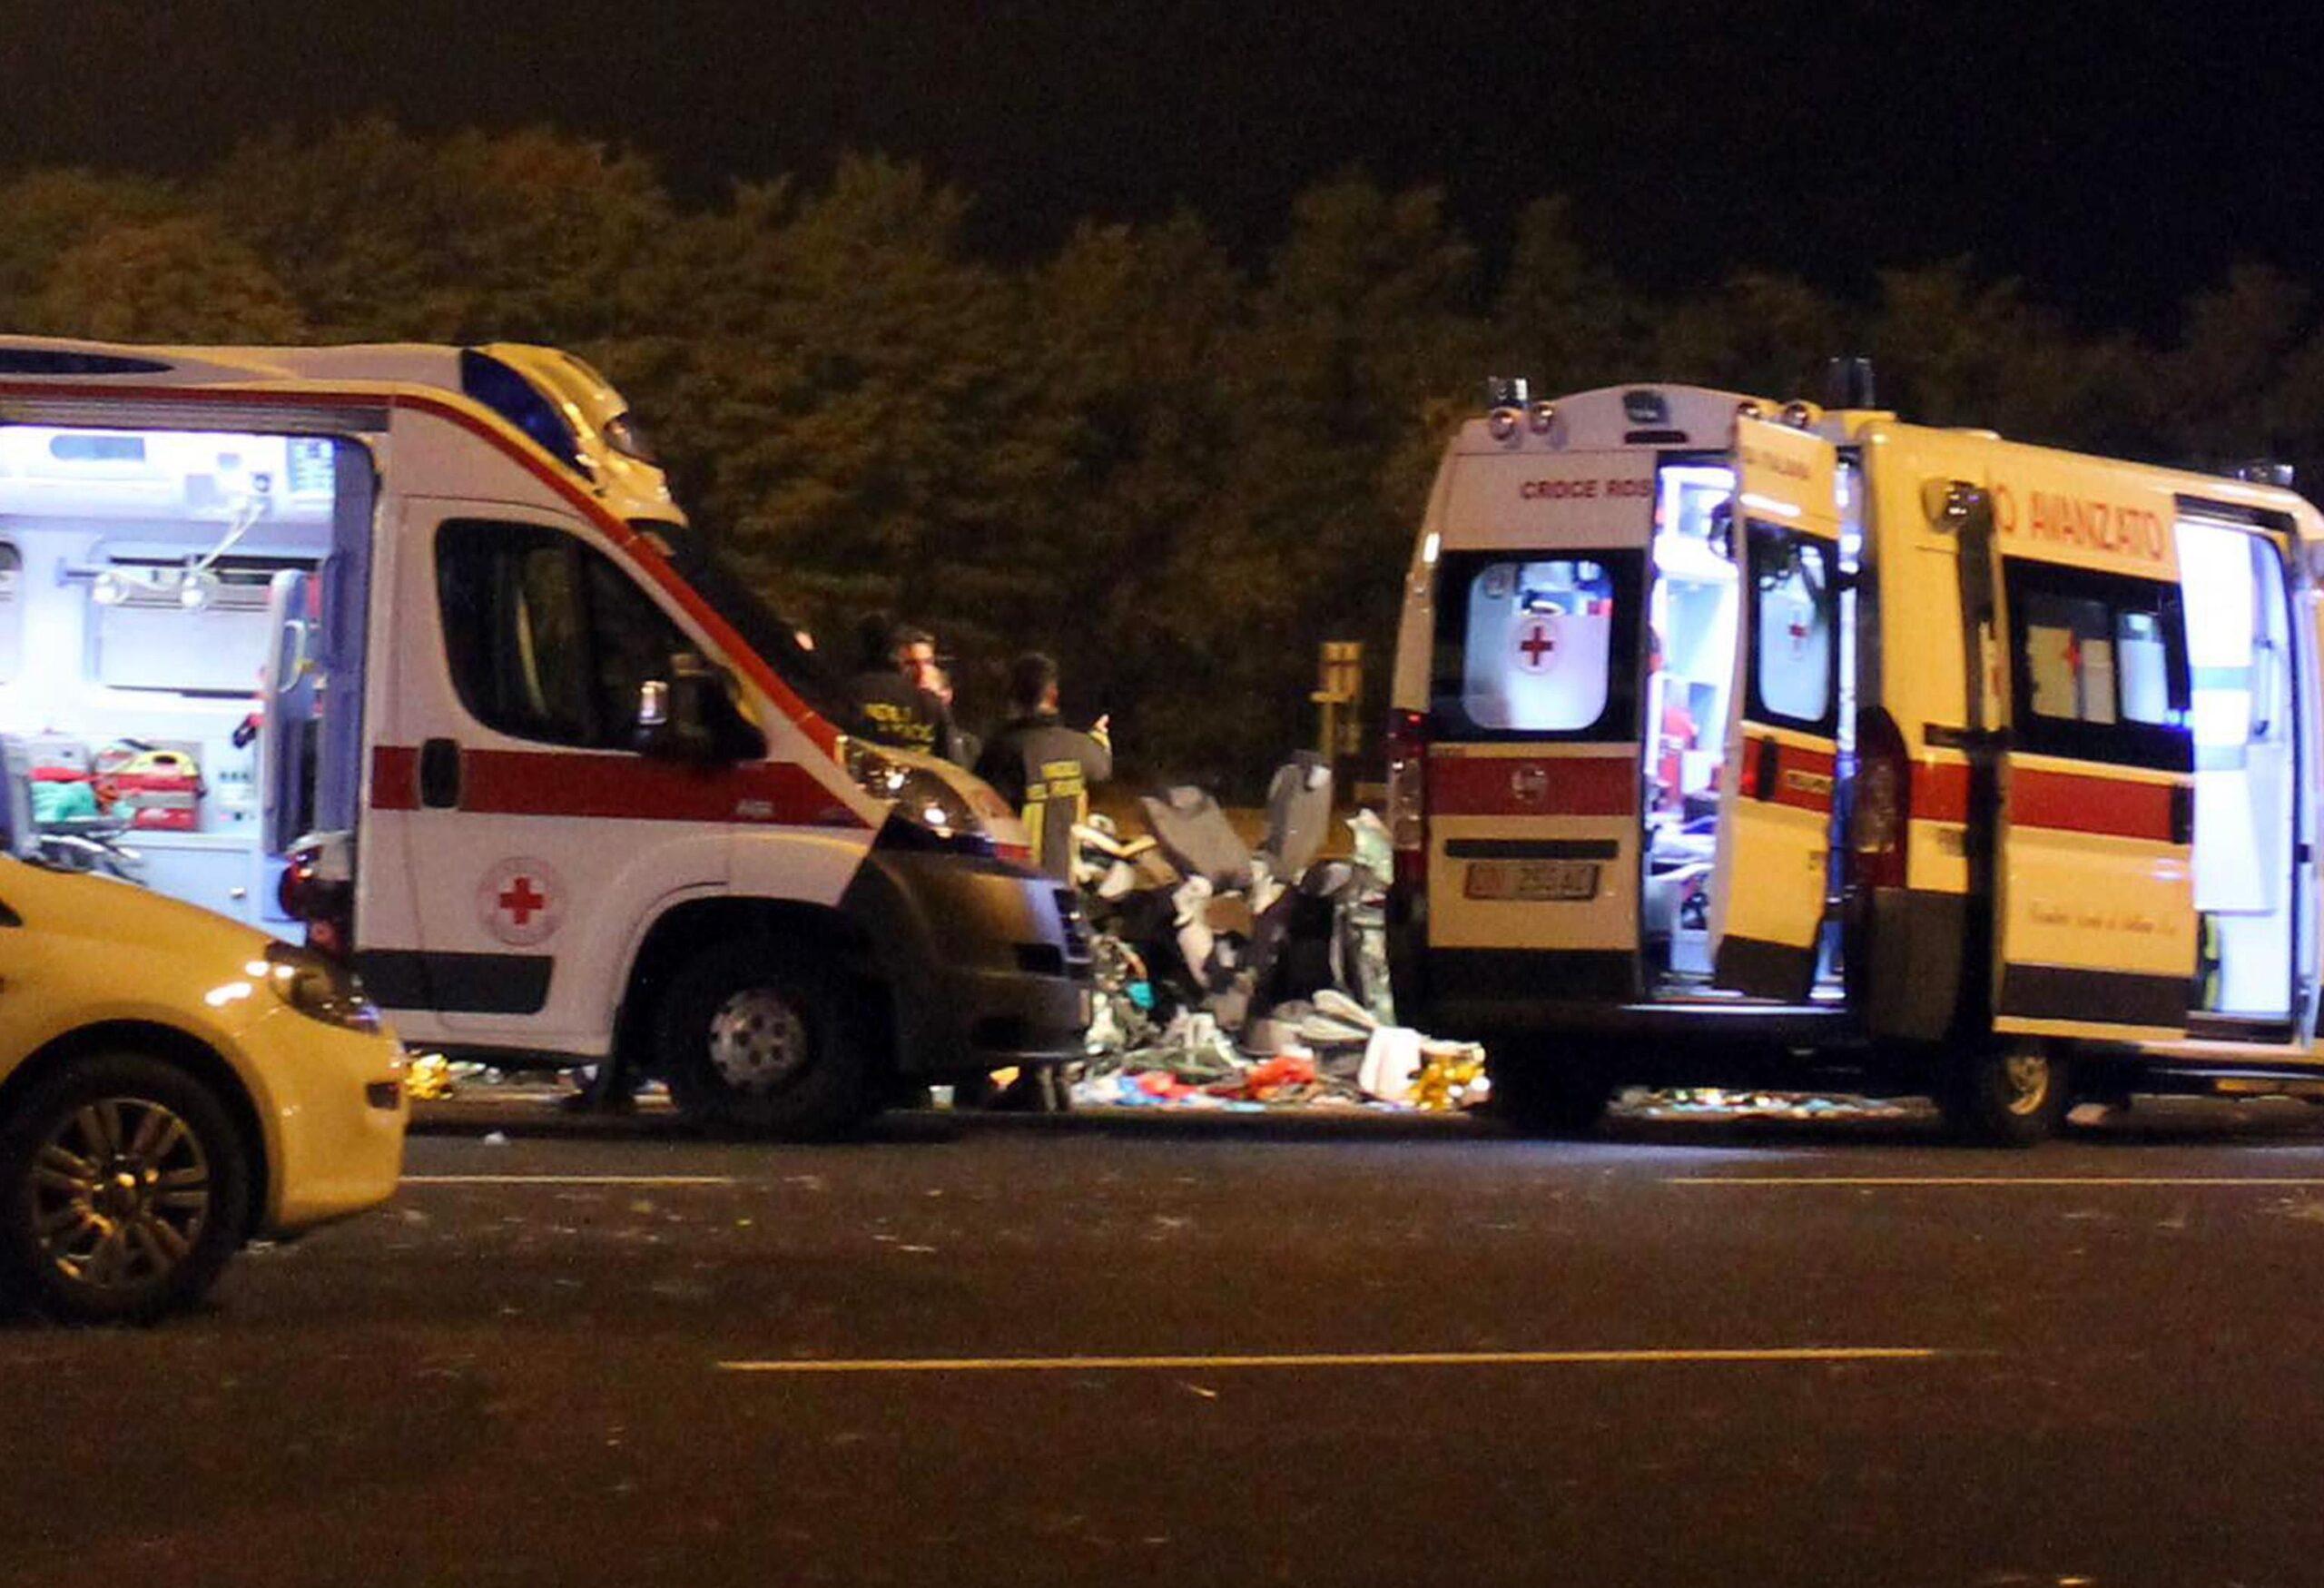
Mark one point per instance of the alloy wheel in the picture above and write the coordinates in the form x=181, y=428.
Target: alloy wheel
x=121, y=1192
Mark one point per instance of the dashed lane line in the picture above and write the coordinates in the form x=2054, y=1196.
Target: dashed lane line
x=894, y=1365
x=1997, y=1180
x=570, y=1181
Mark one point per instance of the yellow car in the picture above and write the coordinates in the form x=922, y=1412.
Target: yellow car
x=171, y=1083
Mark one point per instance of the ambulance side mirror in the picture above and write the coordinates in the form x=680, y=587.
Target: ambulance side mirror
x=690, y=716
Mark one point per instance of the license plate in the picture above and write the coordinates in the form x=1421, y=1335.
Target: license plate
x=1533, y=881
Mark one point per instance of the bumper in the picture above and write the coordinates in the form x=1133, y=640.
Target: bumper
x=1501, y=995
x=989, y=961
x=336, y=1118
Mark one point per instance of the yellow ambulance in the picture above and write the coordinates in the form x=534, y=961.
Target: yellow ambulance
x=1734, y=740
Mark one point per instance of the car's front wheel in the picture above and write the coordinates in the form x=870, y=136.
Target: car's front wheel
x=755, y=1039
x=124, y=1188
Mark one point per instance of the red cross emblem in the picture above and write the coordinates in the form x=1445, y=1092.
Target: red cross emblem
x=521, y=900
x=1537, y=645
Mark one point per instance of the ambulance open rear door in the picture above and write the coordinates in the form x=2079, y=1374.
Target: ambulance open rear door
x=1774, y=827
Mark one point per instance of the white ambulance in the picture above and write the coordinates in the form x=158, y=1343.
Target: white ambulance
x=1735, y=740
x=567, y=787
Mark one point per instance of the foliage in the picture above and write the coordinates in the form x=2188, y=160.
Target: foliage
x=1177, y=471
x=179, y=279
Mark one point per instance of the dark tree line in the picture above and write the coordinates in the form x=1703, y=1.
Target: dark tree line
x=1177, y=470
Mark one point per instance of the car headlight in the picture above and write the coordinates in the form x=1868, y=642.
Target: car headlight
x=319, y=988
x=927, y=804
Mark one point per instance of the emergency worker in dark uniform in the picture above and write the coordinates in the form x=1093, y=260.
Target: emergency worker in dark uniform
x=1044, y=768
x=893, y=708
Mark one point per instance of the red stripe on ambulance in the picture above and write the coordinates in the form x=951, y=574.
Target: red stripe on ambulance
x=1940, y=792
x=565, y=783
x=1803, y=776
x=1531, y=786
x=2074, y=803
x=2064, y=802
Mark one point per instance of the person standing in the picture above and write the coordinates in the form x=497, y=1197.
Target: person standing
x=916, y=657
x=1044, y=768
x=895, y=709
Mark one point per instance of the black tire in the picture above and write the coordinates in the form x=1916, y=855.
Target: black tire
x=752, y=1039
x=124, y=1188
x=2006, y=1094
x=1537, y=1093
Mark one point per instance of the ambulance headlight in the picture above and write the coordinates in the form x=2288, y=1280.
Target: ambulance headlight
x=319, y=988
x=924, y=803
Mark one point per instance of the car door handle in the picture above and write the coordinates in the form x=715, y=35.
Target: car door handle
x=440, y=775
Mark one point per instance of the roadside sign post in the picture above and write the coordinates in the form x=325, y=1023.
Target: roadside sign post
x=1338, y=696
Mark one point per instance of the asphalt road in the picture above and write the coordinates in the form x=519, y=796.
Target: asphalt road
x=1360, y=1352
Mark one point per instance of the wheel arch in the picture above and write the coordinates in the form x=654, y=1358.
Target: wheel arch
x=822, y=931
x=179, y=1049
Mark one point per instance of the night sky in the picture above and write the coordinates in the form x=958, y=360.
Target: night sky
x=2113, y=156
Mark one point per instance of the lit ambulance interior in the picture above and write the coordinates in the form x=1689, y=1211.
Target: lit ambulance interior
x=180, y=638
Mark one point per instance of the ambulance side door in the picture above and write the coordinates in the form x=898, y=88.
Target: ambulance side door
x=2095, y=908
x=1775, y=826
x=535, y=840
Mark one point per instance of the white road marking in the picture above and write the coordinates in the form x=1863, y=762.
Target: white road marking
x=2132, y=1180
x=864, y=1365
x=570, y=1181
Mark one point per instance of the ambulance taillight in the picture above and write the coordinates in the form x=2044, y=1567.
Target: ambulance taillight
x=1407, y=744
x=1883, y=819
x=316, y=889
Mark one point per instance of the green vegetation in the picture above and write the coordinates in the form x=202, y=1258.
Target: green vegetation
x=1177, y=470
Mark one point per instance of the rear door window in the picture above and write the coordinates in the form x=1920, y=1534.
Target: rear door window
x=1540, y=645
x=1794, y=630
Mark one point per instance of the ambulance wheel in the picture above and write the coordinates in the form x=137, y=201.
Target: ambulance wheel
x=1538, y=1093
x=2007, y=1094
x=124, y=1188
x=752, y=1039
